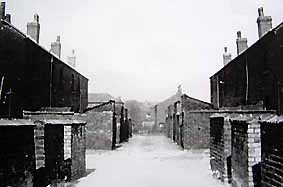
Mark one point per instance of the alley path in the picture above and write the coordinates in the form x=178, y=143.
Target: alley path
x=149, y=161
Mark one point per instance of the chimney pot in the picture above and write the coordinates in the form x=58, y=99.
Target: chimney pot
x=33, y=28
x=260, y=12
x=226, y=57
x=264, y=23
x=239, y=35
x=2, y=10
x=242, y=43
x=72, y=59
x=36, y=18
x=56, y=47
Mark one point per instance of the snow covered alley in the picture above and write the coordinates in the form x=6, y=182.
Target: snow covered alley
x=149, y=161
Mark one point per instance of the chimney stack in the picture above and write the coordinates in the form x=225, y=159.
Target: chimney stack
x=264, y=23
x=2, y=10
x=72, y=59
x=226, y=57
x=242, y=43
x=33, y=28
x=56, y=47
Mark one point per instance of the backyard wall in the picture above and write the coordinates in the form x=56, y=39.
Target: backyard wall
x=272, y=152
x=195, y=132
x=99, y=130
x=246, y=152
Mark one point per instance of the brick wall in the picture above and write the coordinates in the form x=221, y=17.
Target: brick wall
x=220, y=148
x=59, y=145
x=67, y=142
x=39, y=145
x=246, y=155
x=78, y=148
x=239, y=154
x=177, y=126
x=54, y=150
x=272, y=153
x=99, y=130
x=196, y=129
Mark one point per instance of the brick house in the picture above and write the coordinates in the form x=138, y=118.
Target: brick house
x=254, y=78
x=188, y=122
x=31, y=77
x=250, y=85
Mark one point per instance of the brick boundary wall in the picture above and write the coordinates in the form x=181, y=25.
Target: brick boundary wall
x=67, y=142
x=220, y=148
x=272, y=152
x=100, y=130
x=195, y=130
x=73, y=142
x=246, y=151
x=78, y=151
x=39, y=145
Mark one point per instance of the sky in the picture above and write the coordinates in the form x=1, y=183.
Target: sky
x=143, y=49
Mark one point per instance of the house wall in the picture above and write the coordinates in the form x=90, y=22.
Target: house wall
x=27, y=71
x=253, y=77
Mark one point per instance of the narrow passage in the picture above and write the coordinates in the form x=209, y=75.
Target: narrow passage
x=149, y=161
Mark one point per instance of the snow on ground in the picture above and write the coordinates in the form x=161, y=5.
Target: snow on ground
x=149, y=161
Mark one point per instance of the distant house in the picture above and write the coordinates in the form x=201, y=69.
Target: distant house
x=162, y=107
x=188, y=122
x=189, y=103
x=99, y=98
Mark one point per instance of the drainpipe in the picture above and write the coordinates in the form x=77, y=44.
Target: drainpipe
x=50, y=82
x=247, y=80
x=217, y=91
x=10, y=103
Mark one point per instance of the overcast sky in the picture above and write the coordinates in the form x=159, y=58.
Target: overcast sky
x=142, y=49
